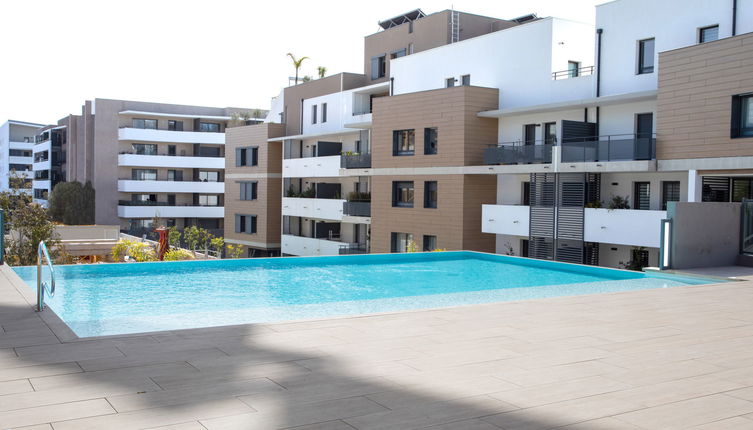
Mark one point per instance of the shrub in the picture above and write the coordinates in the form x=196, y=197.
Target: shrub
x=176, y=254
x=234, y=251
x=619, y=202
x=139, y=251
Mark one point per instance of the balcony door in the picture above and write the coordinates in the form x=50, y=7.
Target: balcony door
x=644, y=131
x=529, y=134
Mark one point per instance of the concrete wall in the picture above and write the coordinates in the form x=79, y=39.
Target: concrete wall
x=704, y=234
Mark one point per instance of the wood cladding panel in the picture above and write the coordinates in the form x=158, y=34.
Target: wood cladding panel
x=696, y=85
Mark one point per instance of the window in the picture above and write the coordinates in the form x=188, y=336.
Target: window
x=19, y=153
x=742, y=116
x=171, y=199
x=174, y=175
x=430, y=243
x=209, y=127
x=410, y=48
x=144, y=174
x=524, y=247
x=742, y=189
x=324, y=112
x=247, y=156
x=313, y=114
x=410, y=27
x=144, y=123
x=143, y=197
x=144, y=148
x=449, y=82
x=248, y=190
x=708, y=34
x=205, y=176
x=430, y=140
x=402, y=194
x=245, y=224
x=171, y=150
x=400, y=242
x=378, y=67
x=572, y=69
x=430, y=194
x=174, y=125
x=642, y=195
x=397, y=54
x=403, y=142
x=645, y=56
x=529, y=134
x=550, y=133
x=525, y=198
x=670, y=192
x=465, y=80
x=208, y=200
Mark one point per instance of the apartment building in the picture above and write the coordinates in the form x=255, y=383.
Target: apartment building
x=16, y=143
x=145, y=160
x=567, y=153
x=338, y=138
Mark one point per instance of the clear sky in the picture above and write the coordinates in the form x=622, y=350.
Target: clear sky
x=56, y=54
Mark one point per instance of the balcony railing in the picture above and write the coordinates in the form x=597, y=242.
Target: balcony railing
x=532, y=152
x=355, y=161
x=573, y=73
x=619, y=147
x=155, y=203
x=353, y=248
x=357, y=209
x=169, y=155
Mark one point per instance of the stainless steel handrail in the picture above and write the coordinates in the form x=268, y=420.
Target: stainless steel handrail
x=44, y=254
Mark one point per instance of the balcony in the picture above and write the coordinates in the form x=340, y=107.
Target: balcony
x=355, y=208
x=308, y=246
x=573, y=73
x=354, y=248
x=359, y=120
x=519, y=153
x=355, y=161
x=620, y=147
x=129, y=209
x=311, y=167
x=170, y=136
x=619, y=226
x=189, y=162
x=131, y=186
x=327, y=209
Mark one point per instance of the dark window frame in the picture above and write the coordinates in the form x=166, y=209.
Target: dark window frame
x=465, y=80
x=702, y=33
x=209, y=127
x=244, y=222
x=572, y=72
x=449, y=82
x=313, y=114
x=431, y=140
x=324, y=113
x=378, y=66
x=427, y=242
x=245, y=191
x=644, y=68
x=247, y=156
x=397, y=194
x=666, y=194
x=397, y=139
x=431, y=187
x=637, y=198
x=740, y=105
x=174, y=125
x=144, y=121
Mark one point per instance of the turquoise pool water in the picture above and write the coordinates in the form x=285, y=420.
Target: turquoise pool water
x=106, y=299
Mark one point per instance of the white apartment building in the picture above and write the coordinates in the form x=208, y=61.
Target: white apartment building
x=16, y=144
x=577, y=125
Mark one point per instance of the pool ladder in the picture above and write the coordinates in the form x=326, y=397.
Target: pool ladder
x=42, y=286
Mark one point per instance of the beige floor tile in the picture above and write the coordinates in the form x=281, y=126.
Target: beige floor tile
x=59, y=412
x=688, y=413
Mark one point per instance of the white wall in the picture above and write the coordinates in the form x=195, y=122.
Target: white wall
x=519, y=61
x=511, y=128
x=624, y=185
x=620, y=119
x=673, y=24
x=277, y=108
x=611, y=255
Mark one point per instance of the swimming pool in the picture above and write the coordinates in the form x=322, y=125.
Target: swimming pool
x=106, y=299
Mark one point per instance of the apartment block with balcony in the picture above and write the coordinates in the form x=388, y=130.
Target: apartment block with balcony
x=16, y=155
x=145, y=161
x=49, y=157
x=253, y=188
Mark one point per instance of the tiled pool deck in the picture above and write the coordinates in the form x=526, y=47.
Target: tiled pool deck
x=655, y=359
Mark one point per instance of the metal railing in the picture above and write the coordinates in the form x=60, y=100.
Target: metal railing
x=520, y=152
x=353, y=248
x=155, y=203
x=182, y=154
x=573, y=73
x=616, y=147
x=42, y=286
x=356, y=208
x=355, y=161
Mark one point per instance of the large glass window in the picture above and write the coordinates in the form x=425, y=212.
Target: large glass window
x=208, y=200
x=378, y=66
x=403, y=142
x=210, y=127
x=144, y=198
x=430, y=194
x=175, y=125
x=400, y=241
x=430, y=140
x=742, y=116
x=573, y=67
x=144, y=148
x=144, y=123
x=248, y=190
x=174, y=175
x=645, y=56
x=430, y=243
x=465, y=80
x=205, y=176
x=642, y=195
x=402, y=194
x=245, y=224
x=670, y=193
x=247, y=156
x=313, y=114
x=144, y=174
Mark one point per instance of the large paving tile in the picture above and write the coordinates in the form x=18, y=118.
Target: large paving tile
x=688, y=413
x=59, y=412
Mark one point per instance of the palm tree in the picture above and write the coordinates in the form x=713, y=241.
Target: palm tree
x=297, y=64
x=322, y=71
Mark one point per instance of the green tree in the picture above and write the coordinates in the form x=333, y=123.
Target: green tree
x=72, y=203
x=234, y=251
x=29, y=225
x=217, y=244
x=297, y=62
x=321, y=70
x=173, y=237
